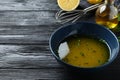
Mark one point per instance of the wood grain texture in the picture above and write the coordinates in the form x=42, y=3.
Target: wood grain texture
x=26, y=34
x=27, y=56
x=54, y=74
x=18, y=5
x=31, y=74
x=28, y=18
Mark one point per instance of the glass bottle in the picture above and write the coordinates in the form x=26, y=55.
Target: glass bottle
x=107, y=14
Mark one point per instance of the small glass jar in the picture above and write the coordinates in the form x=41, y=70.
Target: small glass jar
x=107, y=14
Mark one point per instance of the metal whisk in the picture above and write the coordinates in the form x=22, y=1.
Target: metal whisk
x=72, y=16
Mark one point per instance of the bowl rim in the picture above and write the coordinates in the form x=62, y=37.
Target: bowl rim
x=81, y=22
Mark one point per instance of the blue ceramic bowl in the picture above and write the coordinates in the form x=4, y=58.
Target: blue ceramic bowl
x=85, y=28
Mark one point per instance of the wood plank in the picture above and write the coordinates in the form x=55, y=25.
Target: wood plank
x=31, y=74
x=27, y=56
x=27, y=30
x=26, y=34
x=28, y=18
x=24, y=39
x=55, y=74
x=16, y=5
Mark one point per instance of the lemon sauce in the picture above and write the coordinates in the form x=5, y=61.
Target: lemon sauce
x=86, y=51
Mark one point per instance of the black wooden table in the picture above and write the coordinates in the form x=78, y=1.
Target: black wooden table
x=25, y=28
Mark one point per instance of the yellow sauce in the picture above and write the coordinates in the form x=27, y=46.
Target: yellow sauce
x=86, y=51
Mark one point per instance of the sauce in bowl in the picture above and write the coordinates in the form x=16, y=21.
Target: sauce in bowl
x=86, y=51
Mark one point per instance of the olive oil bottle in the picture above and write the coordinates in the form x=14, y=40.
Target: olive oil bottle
x=107, y=14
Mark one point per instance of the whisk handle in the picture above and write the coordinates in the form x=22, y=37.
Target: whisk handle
x=91, y=8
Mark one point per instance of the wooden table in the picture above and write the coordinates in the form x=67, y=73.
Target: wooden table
x=25, y=28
